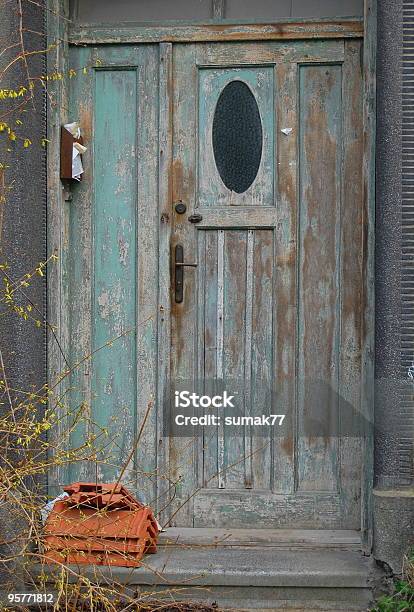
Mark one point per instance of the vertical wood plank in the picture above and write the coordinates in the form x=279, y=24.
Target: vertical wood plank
x=234, y=338
x=210, y=337
x=183, y=451
x=147, y=262
x=114, y=313
x=285, y=286
x=164, y=274
x=262, y=347
x=368, y=268
x=248, y=461
x=350, y=450
x=58, y=221
x=220, y=353
x=319, y=294
x=201, y=381
x=80, y=261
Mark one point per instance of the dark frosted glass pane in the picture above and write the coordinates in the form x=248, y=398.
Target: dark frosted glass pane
x=269, y=10
x=258, y=9
x=237, y=136
x=327, y=8
x=95, y=11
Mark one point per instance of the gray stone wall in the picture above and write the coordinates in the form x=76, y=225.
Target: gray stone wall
x=393, y=500
x=23, y=238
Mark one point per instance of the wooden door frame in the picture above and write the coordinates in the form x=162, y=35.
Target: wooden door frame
x=60, y=34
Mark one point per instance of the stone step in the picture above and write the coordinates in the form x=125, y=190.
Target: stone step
x=295, y=572
x=274, y=538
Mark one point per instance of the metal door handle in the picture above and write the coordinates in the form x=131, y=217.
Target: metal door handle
x=180, y=264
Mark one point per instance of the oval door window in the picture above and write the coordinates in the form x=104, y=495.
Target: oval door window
x=237, y=136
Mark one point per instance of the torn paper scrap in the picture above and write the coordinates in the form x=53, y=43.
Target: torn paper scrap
x=78, y=149
x=77, y=168
x=73, y=128
x=287, y=131
x=47, y=509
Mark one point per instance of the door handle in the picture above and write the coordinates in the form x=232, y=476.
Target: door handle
x=179, y=265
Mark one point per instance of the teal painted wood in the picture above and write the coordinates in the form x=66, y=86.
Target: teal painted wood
x=114, y=217
x=114, y=312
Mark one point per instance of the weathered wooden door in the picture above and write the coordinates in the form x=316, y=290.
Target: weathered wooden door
x=263, y=141
x=267, y=149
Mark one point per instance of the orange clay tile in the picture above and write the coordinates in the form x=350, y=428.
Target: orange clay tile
x=100, y=524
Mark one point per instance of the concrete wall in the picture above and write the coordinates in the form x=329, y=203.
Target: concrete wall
x=23, y=238
x=393, y=500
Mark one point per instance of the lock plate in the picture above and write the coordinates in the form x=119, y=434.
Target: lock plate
x=180, y=208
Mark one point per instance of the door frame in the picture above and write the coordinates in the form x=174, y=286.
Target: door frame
x=59, y=28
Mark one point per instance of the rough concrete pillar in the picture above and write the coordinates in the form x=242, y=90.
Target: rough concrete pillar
x=22, y=239
x=393, y=499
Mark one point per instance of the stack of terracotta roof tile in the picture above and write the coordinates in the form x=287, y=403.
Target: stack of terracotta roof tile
x=99, y=524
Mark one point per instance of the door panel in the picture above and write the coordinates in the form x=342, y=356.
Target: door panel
x=113, y=260
x=319, y=292
x=260, y=82
x=275, y=300
x=114, y=256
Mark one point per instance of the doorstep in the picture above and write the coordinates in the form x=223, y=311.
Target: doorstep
x=252, y=569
